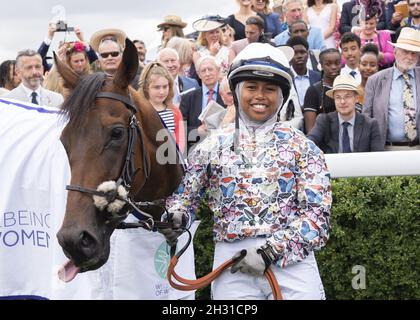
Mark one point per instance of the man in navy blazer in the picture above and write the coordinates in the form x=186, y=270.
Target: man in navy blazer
x=345, y=130
x=303, y=77
x=194, y=102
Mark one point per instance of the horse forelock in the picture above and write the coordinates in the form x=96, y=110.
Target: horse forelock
x=82, y=98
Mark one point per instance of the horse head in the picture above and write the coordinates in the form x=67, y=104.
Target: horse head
x=110, y=140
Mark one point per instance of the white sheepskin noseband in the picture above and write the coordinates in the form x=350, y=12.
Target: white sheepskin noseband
x=115, y=206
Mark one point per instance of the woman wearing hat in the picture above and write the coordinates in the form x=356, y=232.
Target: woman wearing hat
x=171, y=27
x=345, y=130
x=210, y=41
x=266, y=183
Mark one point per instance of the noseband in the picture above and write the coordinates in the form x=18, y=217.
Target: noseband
x=128, y=172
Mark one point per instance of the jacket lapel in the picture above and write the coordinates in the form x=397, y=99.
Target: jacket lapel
x=357, y=132
x=335, y=131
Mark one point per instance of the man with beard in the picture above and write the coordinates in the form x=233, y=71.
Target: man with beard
x=397, y=113
x=413, y=20
x=29, y=68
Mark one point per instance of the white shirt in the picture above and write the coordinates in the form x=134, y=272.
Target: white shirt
x=355, y=73
x=29, y=93
x=302, y=84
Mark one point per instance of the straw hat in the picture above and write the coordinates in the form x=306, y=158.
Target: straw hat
x=172, y=21
x=344, y=82
x=409, y=39
x=208, y=23
x=96, y=38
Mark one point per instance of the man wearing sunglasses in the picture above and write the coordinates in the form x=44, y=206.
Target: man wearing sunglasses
x=110, y=55
x=396, y=19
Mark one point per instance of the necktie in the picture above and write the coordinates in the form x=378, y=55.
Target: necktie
x=409, y=109
x=210, y=93
x=345, y=143
x=353, y=74
x=34, y=95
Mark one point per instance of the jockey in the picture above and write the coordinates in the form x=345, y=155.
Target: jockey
x=266, y=183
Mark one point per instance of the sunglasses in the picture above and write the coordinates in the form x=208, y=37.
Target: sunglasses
x=105, y=55
x=412, y=4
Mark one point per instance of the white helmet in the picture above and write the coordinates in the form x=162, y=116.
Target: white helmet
x=262, y=61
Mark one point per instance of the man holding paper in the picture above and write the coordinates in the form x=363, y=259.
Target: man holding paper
x=193, y=103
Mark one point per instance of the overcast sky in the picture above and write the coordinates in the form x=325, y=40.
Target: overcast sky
x=24, y=23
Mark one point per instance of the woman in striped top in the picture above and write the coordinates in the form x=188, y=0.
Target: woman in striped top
x=157, y=86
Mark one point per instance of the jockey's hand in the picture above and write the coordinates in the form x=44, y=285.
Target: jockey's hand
x=255, y=261
x=179, y=220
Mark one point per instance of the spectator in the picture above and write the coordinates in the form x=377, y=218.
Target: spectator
x=392, y=96
x=194, y=102
x=171, y=27
x=323, y=15
x=228, y=35
x=349, y=20
x=397, y=21
x=184, y=48
x=316, y=100
x=141, y=51
x=238, y=19
x=345, y=130
x=169, y=58
x=381, y=38
x=210, y=41
x=294, y=12
x=156, y=85
x=8, y=76
x=350, y=48
x=302, y=76
x=368, y=66
x=272, y=25
x=299, y=28
x=29, y=68
x=254, y=30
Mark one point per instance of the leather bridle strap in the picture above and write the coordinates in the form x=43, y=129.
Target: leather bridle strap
x=188, y=285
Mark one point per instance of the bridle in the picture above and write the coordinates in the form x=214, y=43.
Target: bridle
x=128, y=174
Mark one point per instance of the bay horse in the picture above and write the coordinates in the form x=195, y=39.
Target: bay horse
x=111, y=135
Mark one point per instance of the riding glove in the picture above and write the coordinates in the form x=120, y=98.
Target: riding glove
x=179, y=220
x=254, y=260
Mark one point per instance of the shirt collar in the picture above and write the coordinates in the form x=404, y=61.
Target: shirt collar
x=298, y=75
x=351, y=121
x=29, y=91
x=215, y=89
x=397, y=73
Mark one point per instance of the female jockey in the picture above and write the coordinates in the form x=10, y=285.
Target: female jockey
x=266, y=183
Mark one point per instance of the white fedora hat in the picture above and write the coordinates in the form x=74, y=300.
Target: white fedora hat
x=344, y=82
x=409, y=39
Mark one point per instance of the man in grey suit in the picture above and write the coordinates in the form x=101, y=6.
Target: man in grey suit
x=345, y=130
x=392, y=96
x=29, y=68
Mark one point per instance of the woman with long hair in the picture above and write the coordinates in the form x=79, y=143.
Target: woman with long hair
x=272, y=24
x=8, y=76
x=156, y=85
x=238, y=19
x=171, y=27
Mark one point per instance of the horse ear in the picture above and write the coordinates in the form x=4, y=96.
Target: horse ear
x=70, y=77
x=127, y=69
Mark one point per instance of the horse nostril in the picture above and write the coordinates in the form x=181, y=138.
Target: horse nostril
x=87, y=244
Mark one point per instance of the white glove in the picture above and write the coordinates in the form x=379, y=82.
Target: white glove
x=252, y=263
x=179, y=221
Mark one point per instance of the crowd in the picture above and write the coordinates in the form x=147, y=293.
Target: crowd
x=336, y=76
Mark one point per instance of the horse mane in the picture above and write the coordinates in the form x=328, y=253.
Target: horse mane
x=77, y=104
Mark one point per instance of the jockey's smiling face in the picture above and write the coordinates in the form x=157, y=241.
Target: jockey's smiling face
x=259, y=99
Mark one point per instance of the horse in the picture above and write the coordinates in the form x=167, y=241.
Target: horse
x=111, y=137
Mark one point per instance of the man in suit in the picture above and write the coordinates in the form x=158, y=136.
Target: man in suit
x=349, y=19
x=345, y=130
x=302, y=76
x=30, y=70
x=392, y=96
x=170, y=59
x=194, y=102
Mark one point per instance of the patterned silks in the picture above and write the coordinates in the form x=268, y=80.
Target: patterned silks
x=409, y=109
x=277, y=187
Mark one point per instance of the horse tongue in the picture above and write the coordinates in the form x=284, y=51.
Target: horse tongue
x=68, y=271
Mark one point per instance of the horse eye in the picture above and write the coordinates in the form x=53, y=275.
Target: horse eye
x=117, y=133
